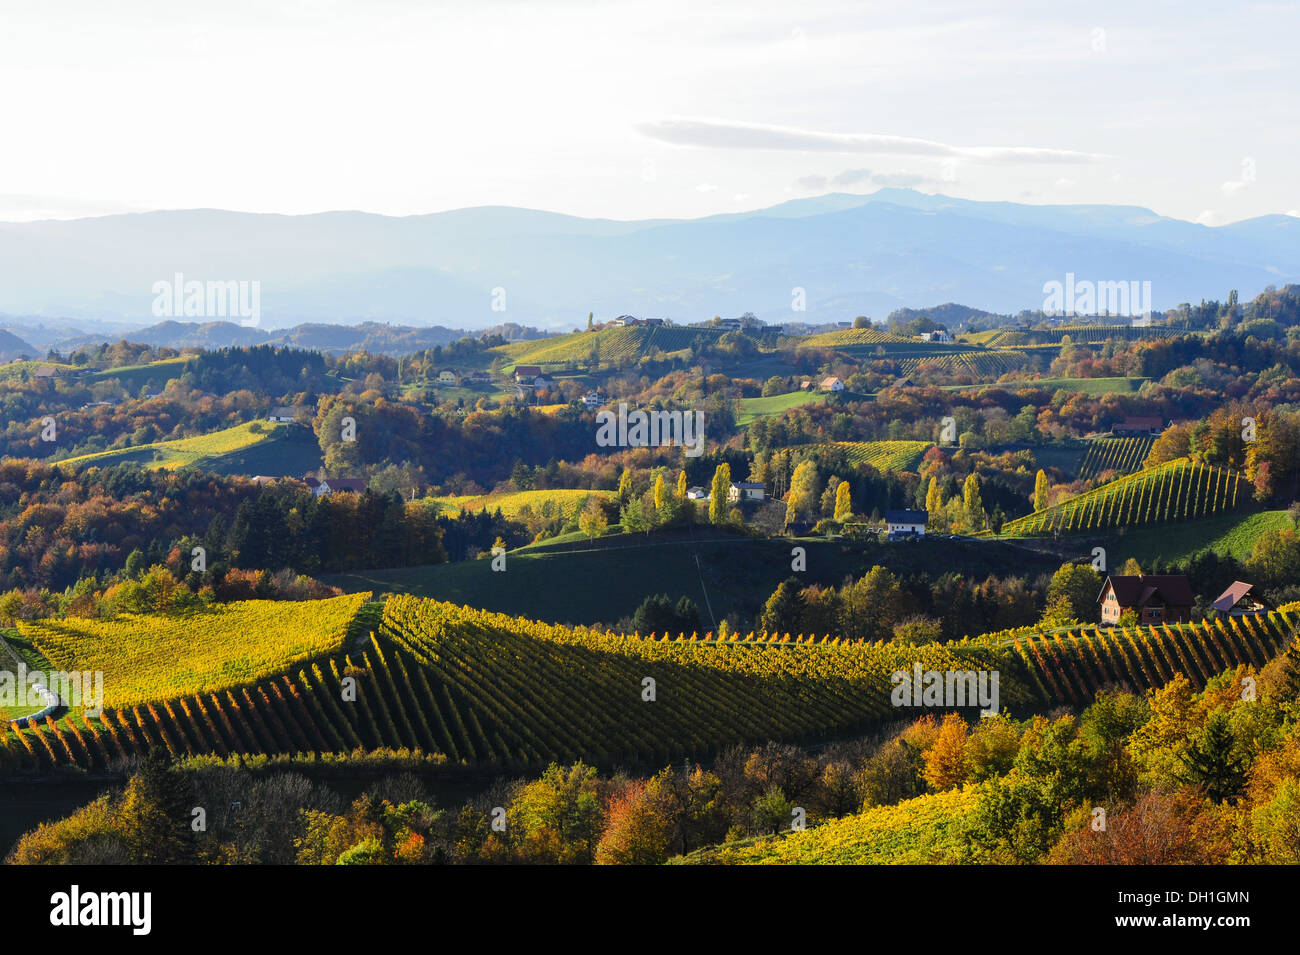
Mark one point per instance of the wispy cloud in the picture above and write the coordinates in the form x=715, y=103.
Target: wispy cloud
x=723, y=134
x=860, y=177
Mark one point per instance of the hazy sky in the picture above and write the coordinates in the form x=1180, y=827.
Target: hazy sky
x=639, y=109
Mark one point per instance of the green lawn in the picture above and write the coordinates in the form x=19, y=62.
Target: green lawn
x=31, y=658
x=1092, y=386
x=1225, y=534
x=751, y=408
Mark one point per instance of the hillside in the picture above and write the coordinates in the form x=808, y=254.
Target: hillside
x=490, y=689
x=609, y=345
x=1175, y=491
x=256, y=447
x=147, y=658
x=719, y=572
x=926, y=830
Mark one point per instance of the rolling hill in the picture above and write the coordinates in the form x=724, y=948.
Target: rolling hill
x=255, y=447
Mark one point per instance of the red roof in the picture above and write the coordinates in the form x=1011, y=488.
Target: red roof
x=1232, y=596
x=1139, y=590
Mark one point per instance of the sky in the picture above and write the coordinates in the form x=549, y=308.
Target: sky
x=630, y=110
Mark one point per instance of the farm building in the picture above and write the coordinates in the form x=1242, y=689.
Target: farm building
x=832, y=384
x=283, y=414
x=697, y=494
x=1238, y=601
x=1138, y=427
x=1155, y=598
x=906, y=523
x=526, y=373
x=593, y=399
x=747, y=491
x=335, y=485
x=938, y=335
x=730, y=324
x=447, y=377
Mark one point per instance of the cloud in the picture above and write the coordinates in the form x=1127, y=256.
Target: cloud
x=718, y=134
x=1234, y=186
x=705, y=187
x=1208, y=217
x=856, y=177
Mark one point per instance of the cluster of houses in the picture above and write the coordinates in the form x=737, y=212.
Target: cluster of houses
x=739, y=491
x=627, y=321
x=1168, y=598
x=450, y=376
x=533, y=377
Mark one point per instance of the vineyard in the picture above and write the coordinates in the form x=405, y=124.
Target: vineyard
x=1081, y=334
x=545, y=502
x=147, y=657
x=486, y=688
x=926, y=830
x=1123, y=455
x=978, y=364
x=187, y=452
x=1073, y=666
x=881, y=455
x=1176, y=491
x=612, y=345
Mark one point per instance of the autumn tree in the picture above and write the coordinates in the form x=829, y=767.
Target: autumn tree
x=1040, y=490
x=719, y=493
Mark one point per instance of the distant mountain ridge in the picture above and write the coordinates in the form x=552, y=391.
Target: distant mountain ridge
x=837, y=256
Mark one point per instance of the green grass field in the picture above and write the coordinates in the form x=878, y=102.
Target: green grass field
x=17, y=644
x=1225, y=534
x=1092, y=386
x=601, y=581
x=154, y=374
x=255, y=447
x=751, y=408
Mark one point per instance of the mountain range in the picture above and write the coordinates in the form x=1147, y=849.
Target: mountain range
x=479, y=267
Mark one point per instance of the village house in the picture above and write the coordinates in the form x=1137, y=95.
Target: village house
x=1237, y=601
x=1139, y=426
x=525, y=373
x=593, y=399
x=447, y=377
x=283, y=414
x=1155, y=598
x=906, y=523
x=746, y=491
x=336, y=485
x=832, y=384
x=938, y=335
x=697, y=494
x=730, y=324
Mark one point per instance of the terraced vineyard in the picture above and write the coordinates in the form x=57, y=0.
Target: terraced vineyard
x=1123, y=455
x=485, y=688
x=1073, y=666
x=881, y=455
x=1083, y=333
x=1175, y=491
